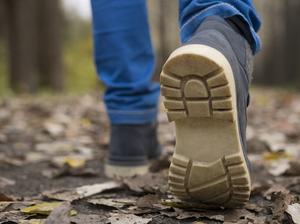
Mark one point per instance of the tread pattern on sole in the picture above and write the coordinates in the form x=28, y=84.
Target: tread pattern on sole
x=194, y=86
x=223, y=182
x=197, y=96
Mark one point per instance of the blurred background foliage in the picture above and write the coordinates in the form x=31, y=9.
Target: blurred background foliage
x=46, y=46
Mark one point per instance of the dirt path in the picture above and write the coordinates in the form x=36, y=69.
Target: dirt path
x=52, y=151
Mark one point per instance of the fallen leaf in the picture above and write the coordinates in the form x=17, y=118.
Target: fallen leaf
x=60, y=214
x=216, y=215
x=148, y=183
x=275, y=190
x=3, y=138
x=276, y=155
x=243, y=216
x=160, y=164
x=88, y=219
x=33, y=221
x=127, y=219
x=257, y=146
x=294, y=168
x=253, y=207
x=4, y=197
x=55, y=148
x=10, y=161
x=177, y=203
x=279, y=167
x=258, y=188
x=68, y=171
x=89, y=190
x=44, y=208
x=62, y=195
x=75, y=161
x=34, y=157
x=13, y=217
x=81, y=192
x=54, y=129
x=116, y=203
x=6, y=182
x=14, y=205
x=148, y=201
x=294, y=211
x=281, y=199
x=4, y=205
x=275, y=140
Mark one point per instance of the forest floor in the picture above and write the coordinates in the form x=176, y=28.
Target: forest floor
x=51, y=166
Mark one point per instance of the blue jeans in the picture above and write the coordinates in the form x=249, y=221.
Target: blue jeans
x=124, y=56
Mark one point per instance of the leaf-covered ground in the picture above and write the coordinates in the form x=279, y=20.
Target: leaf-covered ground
x=51, y=166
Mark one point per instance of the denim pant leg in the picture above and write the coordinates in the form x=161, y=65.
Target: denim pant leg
x=193, y=12
x=124, y=60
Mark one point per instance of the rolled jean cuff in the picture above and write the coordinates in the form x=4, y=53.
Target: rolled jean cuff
x=132, y=117
x=223, y=10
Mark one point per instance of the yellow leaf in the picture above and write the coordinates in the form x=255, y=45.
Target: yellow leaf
x=73, y=212
x=74, y=162
x=44, y=208
x=276, y=155
x=85, y=123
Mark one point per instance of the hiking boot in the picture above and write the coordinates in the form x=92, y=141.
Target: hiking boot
x=131, y=147
x=205, y=86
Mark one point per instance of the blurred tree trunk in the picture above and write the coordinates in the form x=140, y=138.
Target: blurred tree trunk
x=50, y=44
x=22, y=38
x=165, y=32
x=2, y=18
x=278, y=62
x=34, y=44
x=293, y=40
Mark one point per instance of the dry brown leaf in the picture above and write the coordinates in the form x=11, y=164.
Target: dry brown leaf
x=54, y=129
x=6, y=182
x=274, y=191
x=257, y=146
x=89, y=190
x=60, y=214
x=294, y=211
x=243, y=216
x=4, y=205
x=294, y=168
x=62, y=195
x=149, y=183
x=214, y=215
x=127, y=219
x=116, y=203
x=275, y=140
x=148, y=201
x=33, y=221
x=281, y=198
x=88, y=219
x=279, y=167
x=13, y=217
x=81, y=192
x=4, y=197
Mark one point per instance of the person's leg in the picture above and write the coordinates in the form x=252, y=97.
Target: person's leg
x=125, y=63
x=205, y=83
x=193, y=12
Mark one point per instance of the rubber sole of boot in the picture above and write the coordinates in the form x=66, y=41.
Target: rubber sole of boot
x=208, y=165
x=119, y=172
